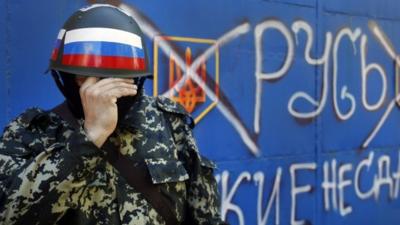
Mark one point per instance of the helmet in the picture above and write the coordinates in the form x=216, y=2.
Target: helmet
x=101, y=40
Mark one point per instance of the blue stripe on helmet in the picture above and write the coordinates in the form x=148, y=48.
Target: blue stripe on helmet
x=103, y=49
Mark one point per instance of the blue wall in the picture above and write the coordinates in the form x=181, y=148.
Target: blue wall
x=322, y=145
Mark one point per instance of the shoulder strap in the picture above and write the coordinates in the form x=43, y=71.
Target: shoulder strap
x=137, y=177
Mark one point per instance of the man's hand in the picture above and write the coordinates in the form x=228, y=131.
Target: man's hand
x=99, y=101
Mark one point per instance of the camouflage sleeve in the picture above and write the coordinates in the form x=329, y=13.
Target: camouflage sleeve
x=203, y=196
x=41, y=170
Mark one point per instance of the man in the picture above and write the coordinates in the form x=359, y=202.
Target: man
x=109, y=154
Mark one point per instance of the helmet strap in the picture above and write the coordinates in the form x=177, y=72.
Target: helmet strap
x=69, y=88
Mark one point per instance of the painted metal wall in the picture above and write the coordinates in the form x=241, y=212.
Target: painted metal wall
x=295, y=99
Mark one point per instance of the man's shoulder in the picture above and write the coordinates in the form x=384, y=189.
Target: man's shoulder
x=25, y=118
x=165, y=104
x=170, y=107
x=32, y=117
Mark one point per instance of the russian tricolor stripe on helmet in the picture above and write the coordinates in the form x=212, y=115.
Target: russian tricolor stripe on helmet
x=103, y=48
x=105, y=62
x=56, y=48
x=103, y=34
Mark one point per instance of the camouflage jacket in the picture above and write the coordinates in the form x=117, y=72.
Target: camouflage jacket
x=50, y=173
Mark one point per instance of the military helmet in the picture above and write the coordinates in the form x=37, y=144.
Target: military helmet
x=101, y=40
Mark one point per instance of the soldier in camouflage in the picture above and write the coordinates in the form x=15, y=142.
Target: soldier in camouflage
x=54, y=170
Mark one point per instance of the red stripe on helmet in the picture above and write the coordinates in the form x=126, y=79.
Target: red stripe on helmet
x=54, y=54
x=104, y=62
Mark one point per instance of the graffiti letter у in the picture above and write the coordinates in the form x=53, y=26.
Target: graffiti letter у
x=324, y=61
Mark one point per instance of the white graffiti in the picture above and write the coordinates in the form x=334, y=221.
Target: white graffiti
x=342, y=184
x=378, y=127
x=344, y=94
x=324, y=60
x=364, y=163
x=332, y=46
x=334, y=188
x=366, y=69
x=388, y=47
x=330, y=184
x=296, y=190
x=259, y=181
x=338, y=180
x=260, y=75
x=227, y=195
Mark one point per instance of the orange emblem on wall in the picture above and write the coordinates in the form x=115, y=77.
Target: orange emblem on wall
x=191, y=95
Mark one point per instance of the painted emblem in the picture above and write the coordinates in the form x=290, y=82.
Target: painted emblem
x=172, y=74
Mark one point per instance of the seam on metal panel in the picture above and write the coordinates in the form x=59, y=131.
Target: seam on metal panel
x=7, y=59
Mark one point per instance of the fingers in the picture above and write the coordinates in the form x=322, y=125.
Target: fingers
x=117, y=92
x=88, y=82
x=108, y=81
x=94, y=82
x=118, y=84
x=113, y=90
x=109, y=89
